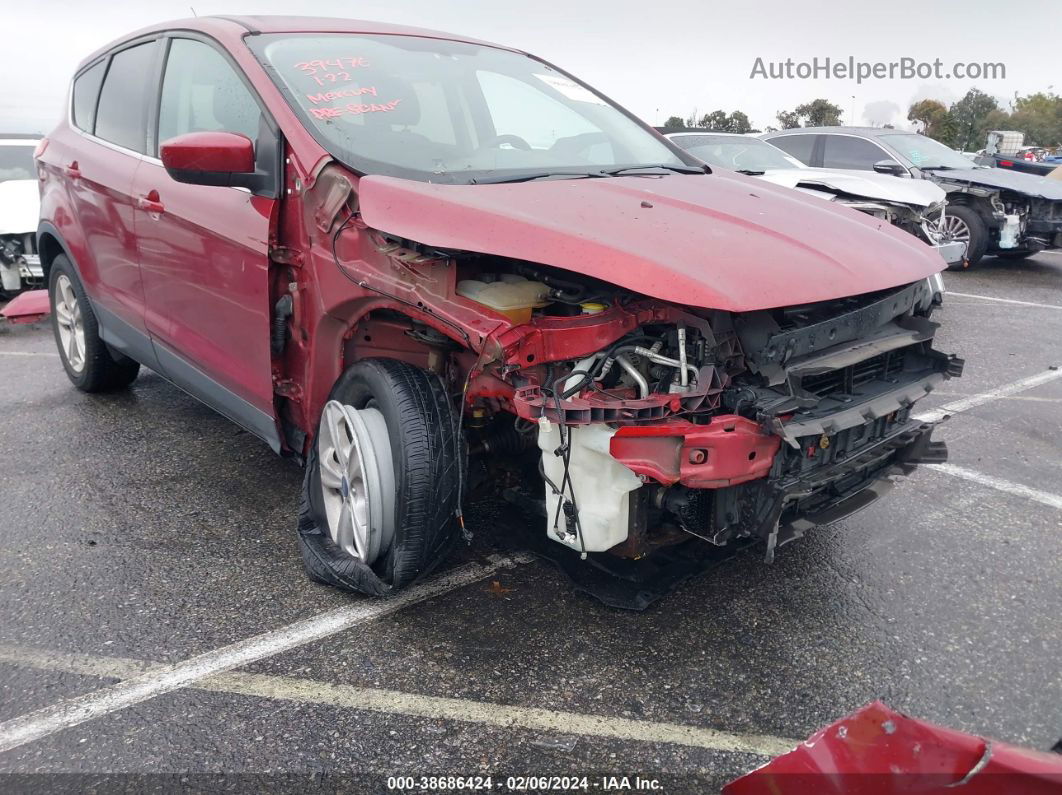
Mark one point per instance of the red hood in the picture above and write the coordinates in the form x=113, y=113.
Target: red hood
x=720, y=241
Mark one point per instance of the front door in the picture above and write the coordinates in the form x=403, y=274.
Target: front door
x=204, y=250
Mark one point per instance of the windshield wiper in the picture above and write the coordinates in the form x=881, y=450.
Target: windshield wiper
x=941, y=168
x=748, y=172
x=618, y=172
x=533, y=177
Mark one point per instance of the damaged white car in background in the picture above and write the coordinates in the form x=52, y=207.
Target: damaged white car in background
x=20, y=267
x=916, y=206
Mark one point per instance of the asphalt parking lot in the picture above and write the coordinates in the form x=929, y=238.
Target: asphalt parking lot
x=154, y=615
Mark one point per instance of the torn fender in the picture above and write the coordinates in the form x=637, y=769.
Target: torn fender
x=878, y=751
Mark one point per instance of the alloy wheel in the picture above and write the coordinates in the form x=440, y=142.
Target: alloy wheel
x=70, y=322
x=357, y=479
x=955, y=230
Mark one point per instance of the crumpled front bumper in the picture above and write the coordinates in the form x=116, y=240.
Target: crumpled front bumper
x=830, y=493
x=951, y=253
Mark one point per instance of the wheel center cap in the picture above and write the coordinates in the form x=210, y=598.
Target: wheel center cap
x=344, y=487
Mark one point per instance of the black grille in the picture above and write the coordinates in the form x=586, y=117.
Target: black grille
x=847, y=380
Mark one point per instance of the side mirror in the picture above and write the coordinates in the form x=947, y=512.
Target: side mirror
x=210, y=158
x=890, y=167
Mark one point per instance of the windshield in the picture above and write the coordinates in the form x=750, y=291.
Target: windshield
x=924, y=152
x=737, y=153
x=445, y=111
x=16, y=162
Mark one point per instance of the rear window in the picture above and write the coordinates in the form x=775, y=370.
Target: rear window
x=120, y=115
x=799, y=146
x=736, y=152
x=86, y=92
x=849, y=152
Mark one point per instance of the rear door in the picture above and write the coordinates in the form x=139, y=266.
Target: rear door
x=204, y=250
x=99, y=167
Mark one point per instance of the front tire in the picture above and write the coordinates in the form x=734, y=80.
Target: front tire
x=965, y=225
x=89, y=363
x=382, y=480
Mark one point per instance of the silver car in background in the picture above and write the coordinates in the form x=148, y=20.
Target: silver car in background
x=917, y=207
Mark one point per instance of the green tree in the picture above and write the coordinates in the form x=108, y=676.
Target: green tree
x=739, y=123
x=973, y=116
x=716, y=120
x=1039, y=116
x=819, y=113
x=721, y=121
x=787, y=119
x=935, y=119
x=674, y=123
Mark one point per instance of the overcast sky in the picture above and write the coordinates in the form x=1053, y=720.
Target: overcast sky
x=657, y=58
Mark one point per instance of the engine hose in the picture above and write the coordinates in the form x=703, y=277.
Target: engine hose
x=506, y=441
x=562, y=286
x=281, y=312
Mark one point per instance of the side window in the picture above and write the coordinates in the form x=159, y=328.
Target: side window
x=202, y=93
x=86, y=92
x=799, y=146
x=543, y=122
x=120, y=115
x=845, y=151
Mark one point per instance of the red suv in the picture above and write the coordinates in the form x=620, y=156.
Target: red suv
x=418, y=262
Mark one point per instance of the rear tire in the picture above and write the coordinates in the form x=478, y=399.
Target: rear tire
x=89, y=363
x=963, y=223
x=417, y=529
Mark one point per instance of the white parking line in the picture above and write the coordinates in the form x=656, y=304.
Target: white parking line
x=1017, y=489
x=1026, y=398
x=964, y=404
x=393, y=702
x=27, y=353
x=1004, y=300
x=35, y=725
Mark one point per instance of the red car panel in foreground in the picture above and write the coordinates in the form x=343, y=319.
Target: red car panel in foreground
x=425, y=265
x=27, y=307
x=878, y=751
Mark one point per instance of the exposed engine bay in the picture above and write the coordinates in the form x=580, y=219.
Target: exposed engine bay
x=1015, y=219
x=649, y=395
x=649, y=424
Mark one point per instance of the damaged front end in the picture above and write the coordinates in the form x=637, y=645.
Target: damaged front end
x=20, y=265
x=654, y=423
x=928, y=223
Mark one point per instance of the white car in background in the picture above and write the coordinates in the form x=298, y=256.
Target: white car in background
x=20, y=267
x=916, y=206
